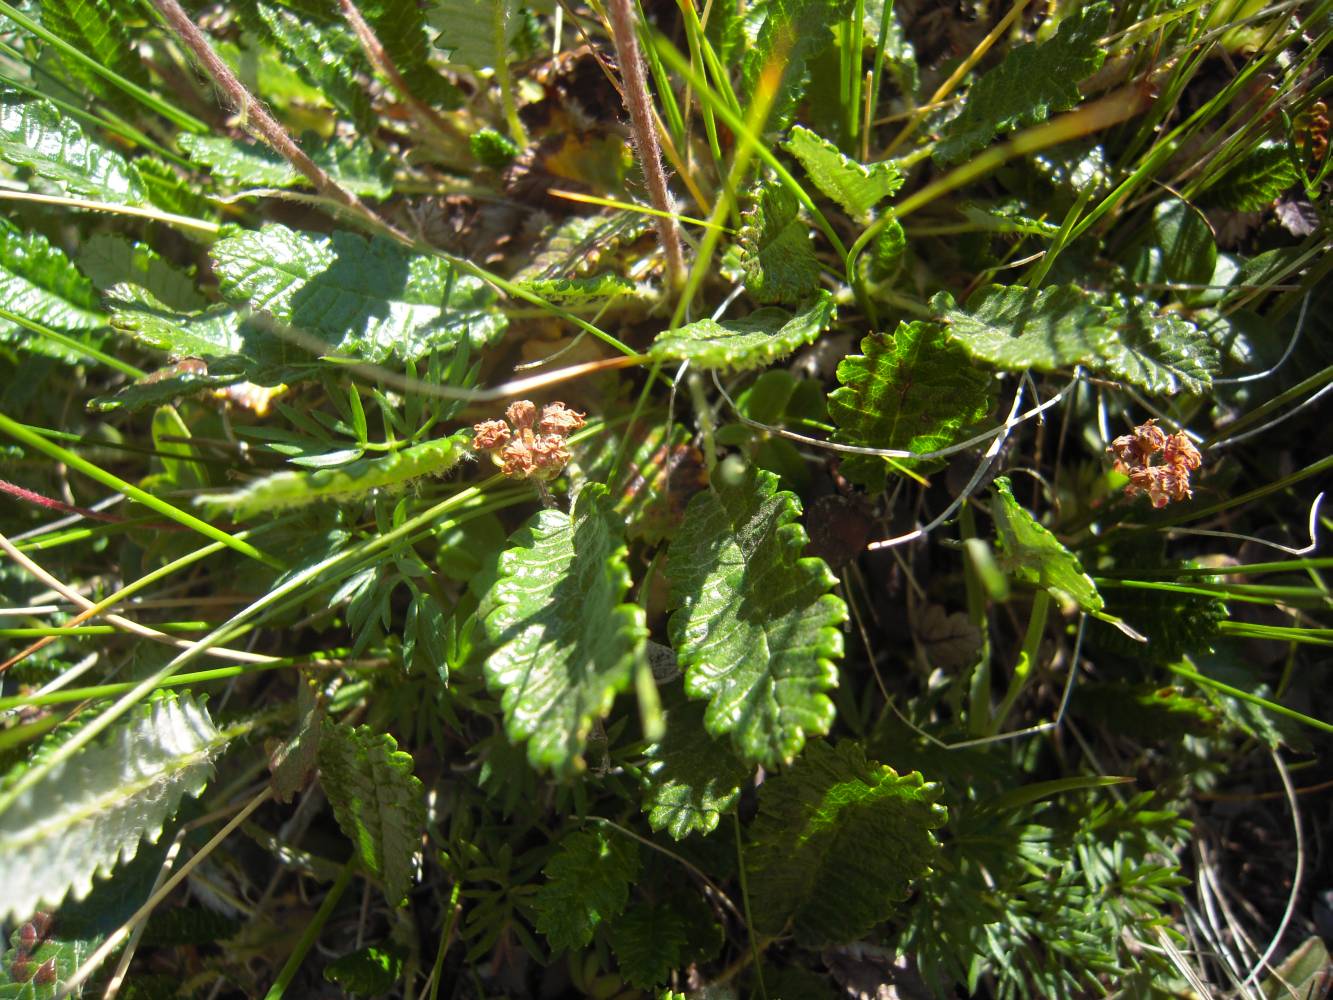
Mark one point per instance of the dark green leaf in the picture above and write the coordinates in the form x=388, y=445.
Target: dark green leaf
x=369, y=972
x=650, y=940
x=790, y=34
x=776, y=252
x=587, y=884
x=95, y=28
x=1031, y=82
x=914, y=391
x=379, y=804
x=753, y=342
x=694, y=778
x=1252, y=184
x=1177, y=246
x=400, y=27
x=564, y=642
x=755, y=626
x=837, y=843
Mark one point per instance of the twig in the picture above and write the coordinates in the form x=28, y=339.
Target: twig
x=381, y=60
x=265, y=125
x=640, y=108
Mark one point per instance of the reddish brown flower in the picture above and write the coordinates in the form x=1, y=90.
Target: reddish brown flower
x=1134, y=453
x=526, y=448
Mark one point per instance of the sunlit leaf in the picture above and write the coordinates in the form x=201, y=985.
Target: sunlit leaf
x=753, y=342
x=1030, y=553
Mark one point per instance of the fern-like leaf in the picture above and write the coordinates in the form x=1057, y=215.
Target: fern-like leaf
x=95, y=807
x=587, y=884
x=837, y=843
x=753, y=342
x=95, y=28
x=755, y=627
x=913, y=391
x=1031, y=82
x=564, y=643
x=378, y=802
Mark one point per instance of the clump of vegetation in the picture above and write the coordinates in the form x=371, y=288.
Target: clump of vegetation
x=783, y=500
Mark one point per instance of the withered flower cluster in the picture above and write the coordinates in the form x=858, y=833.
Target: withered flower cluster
x=529, y=447
x=1163, y=483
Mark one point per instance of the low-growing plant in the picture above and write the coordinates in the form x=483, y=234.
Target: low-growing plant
x=783, y=500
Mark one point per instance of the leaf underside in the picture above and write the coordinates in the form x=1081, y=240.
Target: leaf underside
x=94, y=808
x=379, y=804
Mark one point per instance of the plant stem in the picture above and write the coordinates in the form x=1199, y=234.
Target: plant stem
x=640, y=108
x=294, y=960
x=254, y=112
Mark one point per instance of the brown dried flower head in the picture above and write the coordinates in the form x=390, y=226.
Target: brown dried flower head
x=529, y=446
x=1133, y=454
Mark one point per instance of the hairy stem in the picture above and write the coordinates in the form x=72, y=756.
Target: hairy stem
x=640, y=109
x=265, y=125
x=381, y=60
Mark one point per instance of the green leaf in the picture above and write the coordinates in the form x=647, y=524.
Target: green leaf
x=94, y=808
x=755, y=627
x=914, y=391
x=837, y=843
x=650, y=941
x=370, y=971
x=347, y=483
x=856, y=187
x=792, y=32
x=1252, y=184
x=595, y=291
x=379, y=804
x=1031, y=554
x=493, y=149
x=1016, y=328
x=39, y=283
x=60, y=954
x=1177, y=246
x=467, y=29
x=694, y=778
x=1031, y=82
x=95, y=28
x=35, y=135
x=357, y=166
x=400, y=27
x=324, y=52
x=369, y=299
x=587, y=884
x=753, y=342
x=110, y=260
x=776, y=253
x=564, y=643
